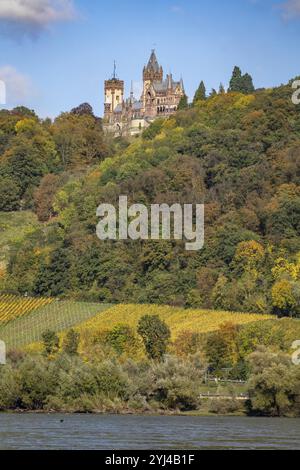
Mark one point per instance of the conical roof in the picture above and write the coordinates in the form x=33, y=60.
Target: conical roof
x=153, y=64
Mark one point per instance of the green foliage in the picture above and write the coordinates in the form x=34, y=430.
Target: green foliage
x=71, y=342
x=9, y=195
x=183, y=103
x=50, y=342
x=237, y=151
x=274, y=384
x=200, y=94
x=155, y=334
x=121, y=338
x=241, y=83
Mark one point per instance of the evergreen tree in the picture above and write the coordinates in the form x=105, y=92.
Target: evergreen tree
x=236, y=80
x=213, y=93
x=221, y=89
x=183, y=103
x=241, y=83
x=200, y=93
x=247, y=82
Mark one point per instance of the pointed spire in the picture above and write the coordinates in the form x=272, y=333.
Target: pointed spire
x=131, y=93
x=115, y=71
x=182, y=84
x=153, y=62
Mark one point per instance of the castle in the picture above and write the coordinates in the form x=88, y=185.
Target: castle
x=160, y=98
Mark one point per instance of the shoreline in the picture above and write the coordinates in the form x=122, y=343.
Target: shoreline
x=199, y=413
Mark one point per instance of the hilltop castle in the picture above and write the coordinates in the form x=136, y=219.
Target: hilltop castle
x=160, y=97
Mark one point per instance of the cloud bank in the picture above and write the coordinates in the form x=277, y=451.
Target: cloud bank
x=32, y=16
x=18, y=86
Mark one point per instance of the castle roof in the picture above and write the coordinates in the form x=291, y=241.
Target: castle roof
x=153, y=64
x=164, y=85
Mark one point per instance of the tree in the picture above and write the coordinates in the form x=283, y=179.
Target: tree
x=183, y=103
x=247, y=84
x=122, y=338
x=200, y=93
x=221, y=89
x=71, y=342
x=50, y=342
x=273, y=383
x=9, y=195
x=82, y=109
x=155, y=334
x=221, y=347
x=44, y=197
x=235, y=82
x=213, y=93
x=53, y=278
x=283, y=298
x=241, y=83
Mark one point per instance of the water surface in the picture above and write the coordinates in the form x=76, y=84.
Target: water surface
x=57, y=431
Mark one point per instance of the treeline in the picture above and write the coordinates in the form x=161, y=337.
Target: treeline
x=172, y=377
x=237, y=152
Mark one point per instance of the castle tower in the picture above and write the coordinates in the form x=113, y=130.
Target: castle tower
x=153, y=72
x=114, y=95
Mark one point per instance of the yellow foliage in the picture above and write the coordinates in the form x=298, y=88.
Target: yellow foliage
x=178, y=319
x=244, y=101
x=282, y=295
x=169, y=124
x=284, y=267
x=25, y=125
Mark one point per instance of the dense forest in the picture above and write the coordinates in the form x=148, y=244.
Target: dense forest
x=238, y=151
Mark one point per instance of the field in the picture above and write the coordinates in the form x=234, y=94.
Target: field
x=178, y=319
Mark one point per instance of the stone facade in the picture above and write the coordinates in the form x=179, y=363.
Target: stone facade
x=160, y=98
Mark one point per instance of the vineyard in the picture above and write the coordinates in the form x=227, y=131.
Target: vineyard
x=12, y=307
x=25, y=323
x=23, y=320
x=178, y=319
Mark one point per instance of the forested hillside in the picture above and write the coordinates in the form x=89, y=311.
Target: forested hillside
x=237, y=152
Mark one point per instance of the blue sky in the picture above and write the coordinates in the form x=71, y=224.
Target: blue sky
x=55, y=54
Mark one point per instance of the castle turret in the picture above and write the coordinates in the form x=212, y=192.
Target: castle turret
x=153, y=71
x=114, y=95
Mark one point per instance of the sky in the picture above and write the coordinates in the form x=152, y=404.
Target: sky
x=56, y=54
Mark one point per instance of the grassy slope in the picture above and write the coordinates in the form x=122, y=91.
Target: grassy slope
x=13, y=227
x=57, y=316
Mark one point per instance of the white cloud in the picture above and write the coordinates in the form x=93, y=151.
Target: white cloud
x=31, y=16
x=18, y=86
x=291, y=9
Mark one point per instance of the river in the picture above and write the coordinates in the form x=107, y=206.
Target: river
x=57, y=431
